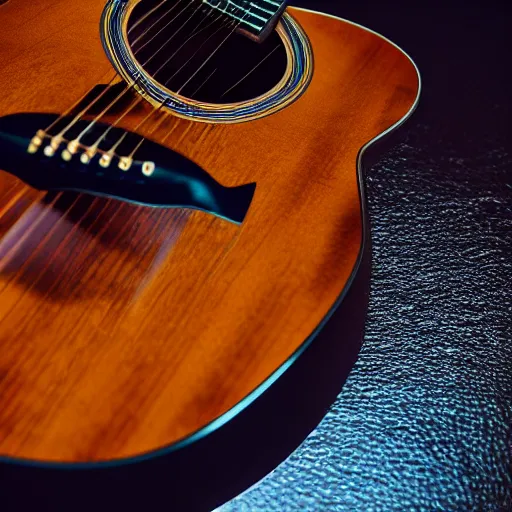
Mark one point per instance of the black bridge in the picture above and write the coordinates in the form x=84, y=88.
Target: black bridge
x=160, y=177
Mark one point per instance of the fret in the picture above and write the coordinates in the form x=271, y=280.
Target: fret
x=256, y=17
x=259, y=8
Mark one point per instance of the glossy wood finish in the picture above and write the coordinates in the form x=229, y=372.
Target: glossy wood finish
x=125, y=329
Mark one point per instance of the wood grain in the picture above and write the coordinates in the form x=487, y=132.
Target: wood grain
x=125, y=329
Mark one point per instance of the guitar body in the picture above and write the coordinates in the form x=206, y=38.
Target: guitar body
x=128, y=330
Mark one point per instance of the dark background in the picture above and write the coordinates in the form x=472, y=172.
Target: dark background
x=424, y=420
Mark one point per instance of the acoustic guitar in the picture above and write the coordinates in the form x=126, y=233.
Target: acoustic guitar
x=181, y=211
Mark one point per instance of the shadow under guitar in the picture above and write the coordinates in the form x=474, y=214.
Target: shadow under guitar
x=64, y=246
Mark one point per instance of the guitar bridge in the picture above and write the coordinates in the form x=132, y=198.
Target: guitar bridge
x=160, y=177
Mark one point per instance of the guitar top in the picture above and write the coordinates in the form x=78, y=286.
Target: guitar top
x=180, y=210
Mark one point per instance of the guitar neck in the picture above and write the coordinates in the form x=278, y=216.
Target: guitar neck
x=257, y=18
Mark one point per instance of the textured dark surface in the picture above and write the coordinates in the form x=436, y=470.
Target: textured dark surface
x=424, y=421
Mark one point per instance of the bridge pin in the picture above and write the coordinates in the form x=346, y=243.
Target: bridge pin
x=36, y=141
x=148, y=168
x=40, y=134
x=49, y=151
x=33, y=147
x=105, y=160
x=66, y=155
x=73, y=146
x=125, y=163
x=86, y=157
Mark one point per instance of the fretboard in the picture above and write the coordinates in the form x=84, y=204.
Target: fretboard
x=256, y=17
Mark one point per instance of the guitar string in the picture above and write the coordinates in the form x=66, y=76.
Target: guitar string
x=77, y=102
x=75, y=327
x=152, y=38
x=42, y=133
x=203, y=83
x=163, y=118
x=110, y=153
x=98, y=262
x=208, y=58
x=5, y=259
x=251, y=71
x=43, y=242
x=134, y=43
x=49, y=207
x=94, y=101
x=107, y=155
x=146, y=16
x=217, y=48
x=113, y=78
x=126, y=162
x=91, y=150
x=74, y=144
x=197, y=10
x=131, y=155
x=11, y=252
x=129, y=158
x=189, y=39
x=100, y=233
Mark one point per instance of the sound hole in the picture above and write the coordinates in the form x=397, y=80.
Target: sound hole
x=196, y=52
